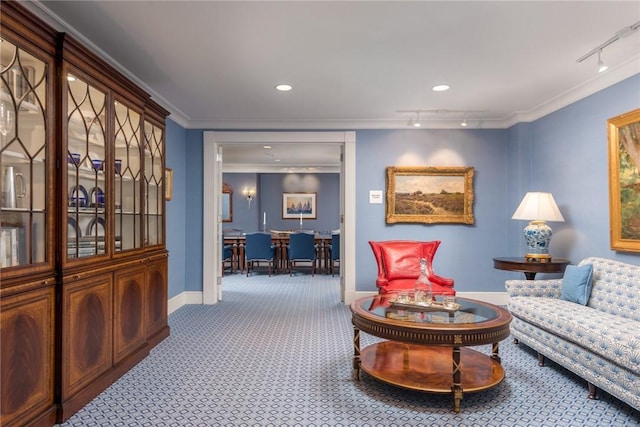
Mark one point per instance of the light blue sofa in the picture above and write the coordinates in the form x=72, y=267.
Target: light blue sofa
x=599, y=342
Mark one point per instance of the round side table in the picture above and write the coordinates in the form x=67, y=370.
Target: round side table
x=530, y=268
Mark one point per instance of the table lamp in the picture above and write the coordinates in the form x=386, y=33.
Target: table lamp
x=538, y=208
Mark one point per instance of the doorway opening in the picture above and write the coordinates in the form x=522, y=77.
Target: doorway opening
x=213, y=152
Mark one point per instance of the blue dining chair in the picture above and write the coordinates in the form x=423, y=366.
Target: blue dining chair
x=334, y=252
x=302, y=247
x=227, y=256
x=258, y=248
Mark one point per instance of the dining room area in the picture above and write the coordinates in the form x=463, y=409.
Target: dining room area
x=282, y=252
x=281, y=223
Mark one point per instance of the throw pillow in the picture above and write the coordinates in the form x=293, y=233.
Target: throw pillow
x=576, y=283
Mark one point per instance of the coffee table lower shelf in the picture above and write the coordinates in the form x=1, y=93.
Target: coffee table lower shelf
x=429, y=368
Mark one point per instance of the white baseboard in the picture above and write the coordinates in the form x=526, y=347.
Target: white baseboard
x=496, y=298
x=184, y=298
x=195, y=297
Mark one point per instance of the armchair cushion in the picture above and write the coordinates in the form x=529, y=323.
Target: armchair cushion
x=399, y=265
x=401, y=259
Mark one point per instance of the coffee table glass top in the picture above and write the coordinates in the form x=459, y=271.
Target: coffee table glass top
x=467, y=312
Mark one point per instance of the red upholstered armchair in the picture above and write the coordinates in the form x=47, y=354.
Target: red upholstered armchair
x=399, y=266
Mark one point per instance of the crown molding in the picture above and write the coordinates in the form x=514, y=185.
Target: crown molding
x=598, y=82
x=257, y=168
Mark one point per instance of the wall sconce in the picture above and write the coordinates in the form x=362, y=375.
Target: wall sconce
x=249, y=194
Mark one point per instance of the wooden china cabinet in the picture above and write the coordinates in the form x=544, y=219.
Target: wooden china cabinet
x=83, y=264
x=28, y=276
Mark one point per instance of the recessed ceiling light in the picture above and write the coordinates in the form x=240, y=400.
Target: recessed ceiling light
x=276, y=160
x=284, y=87
x=440, y=88
x=266, y=146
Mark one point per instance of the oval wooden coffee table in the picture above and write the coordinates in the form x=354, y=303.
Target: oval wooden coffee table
x=428, y=347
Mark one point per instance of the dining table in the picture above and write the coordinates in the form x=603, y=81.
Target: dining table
x=279, y=239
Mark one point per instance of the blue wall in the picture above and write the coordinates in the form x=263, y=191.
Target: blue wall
x=245, y=218
x=175, y=217
x=564, y=153
x=193, y=211
x=269, y=188
x=466, y=250
x=569, y=153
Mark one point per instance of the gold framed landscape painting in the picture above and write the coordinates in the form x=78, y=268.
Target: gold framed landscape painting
x=624, y=181
x=430, y=195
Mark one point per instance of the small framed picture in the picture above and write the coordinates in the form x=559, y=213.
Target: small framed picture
x=299, y=206
x=168, y=183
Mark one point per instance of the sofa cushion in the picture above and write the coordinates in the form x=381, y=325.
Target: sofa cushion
x=576, y=283
x=402, y=258
x=616, y=287
x=615, y=338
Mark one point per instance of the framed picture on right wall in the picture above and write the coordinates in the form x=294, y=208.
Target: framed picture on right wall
x=624, y=181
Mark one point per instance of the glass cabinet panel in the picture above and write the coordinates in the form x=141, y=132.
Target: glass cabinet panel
x=86, y=177
x=128, y=178
x=154, y=183
x=23, y=157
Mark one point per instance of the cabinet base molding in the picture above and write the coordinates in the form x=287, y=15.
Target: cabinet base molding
x=70, y=406
x=158, y=337
x=46, y=419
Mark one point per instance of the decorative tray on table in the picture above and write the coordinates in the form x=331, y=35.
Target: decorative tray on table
x=434, y=306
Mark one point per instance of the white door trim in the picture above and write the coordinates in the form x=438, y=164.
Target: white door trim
x=211, y=195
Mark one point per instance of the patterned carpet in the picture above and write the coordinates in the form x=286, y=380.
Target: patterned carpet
x=277, y=352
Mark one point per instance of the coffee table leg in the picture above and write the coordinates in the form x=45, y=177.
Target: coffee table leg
x=494, y=352
x=456, y=388
x=356, y=353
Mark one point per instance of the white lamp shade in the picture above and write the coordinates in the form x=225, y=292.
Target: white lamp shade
x=538, y=206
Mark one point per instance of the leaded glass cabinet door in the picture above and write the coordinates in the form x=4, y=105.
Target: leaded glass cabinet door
x=25, y=184
x=154, y=183
x=86, y=178
x=128, y=178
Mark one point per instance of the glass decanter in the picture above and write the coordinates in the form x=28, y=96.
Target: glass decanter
x=423, y=288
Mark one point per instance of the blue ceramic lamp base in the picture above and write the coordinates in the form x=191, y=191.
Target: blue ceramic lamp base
x=537, y=235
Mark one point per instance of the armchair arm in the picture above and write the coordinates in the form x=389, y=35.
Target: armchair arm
x=534, y=288
x=442, y=281
x=438, y=280
x=381, y=280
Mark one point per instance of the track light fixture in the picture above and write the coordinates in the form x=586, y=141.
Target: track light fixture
x=601, y=65
x=620, y=34
x=414, y=123
x=415, y=120
x=417, y=123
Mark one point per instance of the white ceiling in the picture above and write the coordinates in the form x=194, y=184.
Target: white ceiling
x=354, y=64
